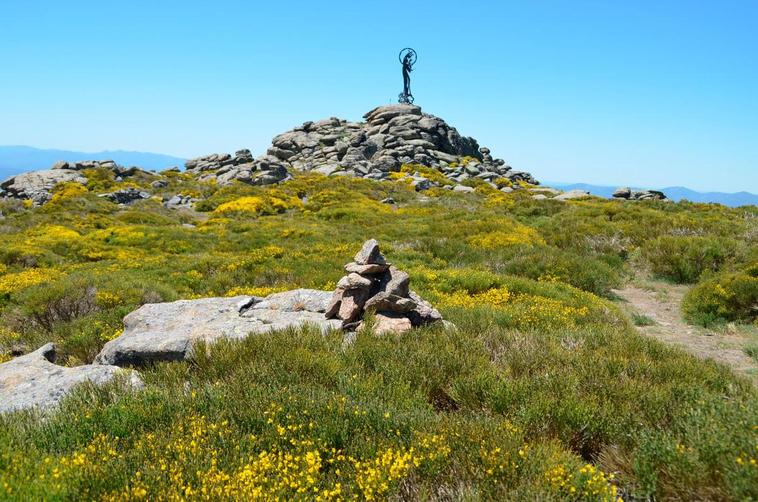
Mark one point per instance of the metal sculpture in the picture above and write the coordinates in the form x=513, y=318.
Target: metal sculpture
x=407, y=58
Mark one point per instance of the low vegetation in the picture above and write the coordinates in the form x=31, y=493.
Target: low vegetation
x=544, y=392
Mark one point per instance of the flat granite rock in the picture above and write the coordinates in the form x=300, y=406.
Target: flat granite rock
x=34, y=381
x=167, y=331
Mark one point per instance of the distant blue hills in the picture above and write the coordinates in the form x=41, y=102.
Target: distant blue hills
x=18, y=159
x=674, y=193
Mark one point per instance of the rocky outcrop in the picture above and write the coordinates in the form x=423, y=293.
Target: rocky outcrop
x=627, y=193
x=573, y=195
x=373, y=285
x=225, y=168
x=38, y=185
x=126, y=195
x=167, y=331
x=34, y=381
x=390, y=137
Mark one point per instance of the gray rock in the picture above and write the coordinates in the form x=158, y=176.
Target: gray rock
x=370, y=254
x=126, y=195
x=463, y=188
x=372, y=268
x=38, y=185
x=353, y=281
x=572, y=194
x=34, y=381
x=167, y=331
x=157, y=184
x=388, y=302
x=622, y=193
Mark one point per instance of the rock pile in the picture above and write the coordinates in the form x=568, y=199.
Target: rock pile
x=391, y=136
x=372, y=284
x=627, y=193
x=224, y=168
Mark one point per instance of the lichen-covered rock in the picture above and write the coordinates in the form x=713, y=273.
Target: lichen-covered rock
x=167, y=331
x=34, y=381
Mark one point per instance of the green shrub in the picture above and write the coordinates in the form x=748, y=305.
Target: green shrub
x=683, y=259
x=726, y=297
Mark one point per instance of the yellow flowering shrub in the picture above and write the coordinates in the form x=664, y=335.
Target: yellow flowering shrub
x=70, y=190
x=515, y=234
x=14, y=282
x=268, y=204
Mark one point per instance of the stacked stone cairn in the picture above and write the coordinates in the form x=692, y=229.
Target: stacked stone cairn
x=373, y=285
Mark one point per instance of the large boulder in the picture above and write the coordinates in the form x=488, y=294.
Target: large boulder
x=38, y=185
x=167, y=331
x=34, y=381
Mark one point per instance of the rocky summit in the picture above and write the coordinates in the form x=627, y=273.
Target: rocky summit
x=390, y=136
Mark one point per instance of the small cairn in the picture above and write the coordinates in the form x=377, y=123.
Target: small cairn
x=372, y=284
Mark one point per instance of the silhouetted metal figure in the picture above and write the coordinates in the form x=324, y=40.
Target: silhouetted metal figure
x=407, y=58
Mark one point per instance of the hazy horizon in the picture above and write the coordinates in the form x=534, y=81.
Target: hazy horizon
x=636, y=94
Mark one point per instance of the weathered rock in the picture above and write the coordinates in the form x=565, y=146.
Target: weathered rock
x=391, y=322
x=622, y=193
x=126, y=195
x=167, y=331
x=354, y=281
x=370, y=254
x=38, y=185
x=391, y=135
x=572, y=194
x=389, y=302
x=179, y=201
x=352, y=304
x=463, y=188
x=369, y=269
x=34, y=381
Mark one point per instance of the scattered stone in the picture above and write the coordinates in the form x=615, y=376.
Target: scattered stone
x=539, y=196
x=168, y=331
x=126, y=195
x=158, y=184
x=463, y=188
x=34, y=381
x=180, y=201
x=374, y=285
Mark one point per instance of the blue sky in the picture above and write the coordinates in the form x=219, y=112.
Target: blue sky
x=648, y=93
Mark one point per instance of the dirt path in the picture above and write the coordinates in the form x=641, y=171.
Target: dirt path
x=660, y=302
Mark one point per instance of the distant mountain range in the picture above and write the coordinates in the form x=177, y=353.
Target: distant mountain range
x=674, y=193
x=17, y=159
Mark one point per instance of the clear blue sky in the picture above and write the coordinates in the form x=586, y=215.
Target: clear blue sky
x=649, y=93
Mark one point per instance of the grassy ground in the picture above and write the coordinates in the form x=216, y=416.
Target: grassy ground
x=545, y=391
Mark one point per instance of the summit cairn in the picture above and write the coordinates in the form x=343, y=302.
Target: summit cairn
x=372, y=284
